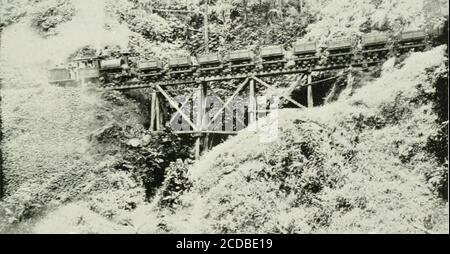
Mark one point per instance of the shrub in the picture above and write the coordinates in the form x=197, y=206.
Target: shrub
x=52, y=13
x=148, y=157
x=13, y=11
x=176, y=183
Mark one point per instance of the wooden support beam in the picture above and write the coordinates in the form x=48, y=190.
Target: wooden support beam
x=197, y=147
x=207, y=132
x=241, y=86
x=310, y=99
x=200, y=118
x=252, y=103
x=153, y=112
x=284, y=96
x=174, y=105
x=158, y=114
x=350, y=79
x=297, y=83
x=205, y=117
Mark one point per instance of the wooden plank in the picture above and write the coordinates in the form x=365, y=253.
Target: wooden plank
x=322, y=80
x=252, y=103
x=204, y=124
x=200, y=114
x=174, y=105
x=229, y=101
x=296, y=83
x=197, y=147
x=284, y=96
x=221, y=78
x=158, y=114
x=310, y=99
x=207, y=132
x=152, y=113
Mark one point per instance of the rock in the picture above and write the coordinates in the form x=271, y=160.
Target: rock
x=134, y=142
x=146, y=139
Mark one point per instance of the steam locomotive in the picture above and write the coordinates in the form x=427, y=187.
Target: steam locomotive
x=374, y=48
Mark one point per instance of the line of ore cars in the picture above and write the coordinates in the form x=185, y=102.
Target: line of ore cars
x=374, y=48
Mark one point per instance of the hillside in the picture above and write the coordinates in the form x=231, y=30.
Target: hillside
x=79, y=159
x=359, y=165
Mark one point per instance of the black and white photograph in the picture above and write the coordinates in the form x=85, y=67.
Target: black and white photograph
x=224, y=117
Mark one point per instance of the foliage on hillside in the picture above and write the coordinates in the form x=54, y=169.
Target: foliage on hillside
x=357, y=165
x=98, y=152
x=12, y=10
x=365, y=164
x=49, y=14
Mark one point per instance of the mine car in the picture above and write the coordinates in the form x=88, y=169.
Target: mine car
x=339, y=52
x=210, y=64
x=374, y=48
x=305, y=54
x=273, y=57
x=180, y=67
x=412, y=40
x=150, y=70
x=241, y=61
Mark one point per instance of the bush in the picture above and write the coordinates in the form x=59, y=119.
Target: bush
x=52, y=13
x=13, y=11
x=176, y=183
x=148, y=157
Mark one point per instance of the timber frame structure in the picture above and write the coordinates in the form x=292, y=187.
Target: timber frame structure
x=201, y=127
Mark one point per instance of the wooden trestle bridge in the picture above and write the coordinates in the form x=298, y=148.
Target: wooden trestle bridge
x=204, y=123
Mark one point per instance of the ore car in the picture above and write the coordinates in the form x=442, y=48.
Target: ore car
x=305, y=54
x=412, y=40
x=273, y=57
x=180, y=67
x=241, y=61
x=210, y=64
x=339, y=52
x=151, y=70
x=374, y=48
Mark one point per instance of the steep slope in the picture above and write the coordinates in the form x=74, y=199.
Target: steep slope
x=52, y=143
x=364, y=164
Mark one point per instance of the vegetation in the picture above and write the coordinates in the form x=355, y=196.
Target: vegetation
x=52, y=13
x=357, y=165
x=372, y=159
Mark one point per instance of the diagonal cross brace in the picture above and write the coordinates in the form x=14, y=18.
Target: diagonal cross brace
x=174, y=105
x=228, y=101
x=227, y=107
x=284, y=96
x=182, y=106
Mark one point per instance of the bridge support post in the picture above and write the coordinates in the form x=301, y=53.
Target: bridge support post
x=350, y=79
x=202, y=139
x=158, y=113
x=155, y=113
x=252, y=103
x=310, y=99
